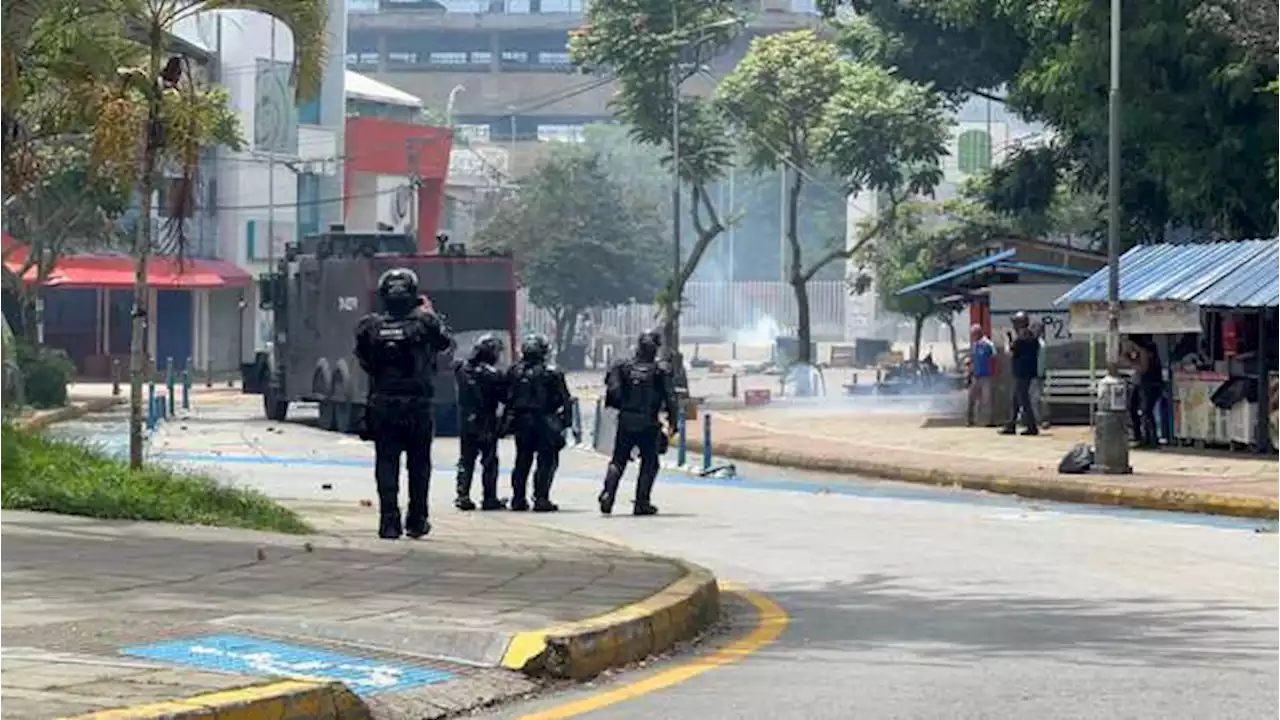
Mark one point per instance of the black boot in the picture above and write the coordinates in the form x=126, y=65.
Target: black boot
x=464, y=503
x=609, y=493
x=644, y=488
x=493, y=504
x=543, y=505
x=389, y=527
x=519, y=504
x=417, y=528
x=463, y=499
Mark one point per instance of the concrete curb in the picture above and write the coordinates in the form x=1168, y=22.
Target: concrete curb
x=284, y=699
x=77, y=409
x=582, y=650
x=1060, y=490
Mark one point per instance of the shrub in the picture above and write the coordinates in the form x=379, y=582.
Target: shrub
x=45, y=373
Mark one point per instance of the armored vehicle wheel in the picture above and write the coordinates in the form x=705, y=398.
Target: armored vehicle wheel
x=327, y=419
x=275, y=407
x=344, y=418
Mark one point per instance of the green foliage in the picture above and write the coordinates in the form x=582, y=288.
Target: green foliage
x=919, y=241
x=579, y=239
x=1198, y=127
x=49, y=475
x=645, y=45
x=44, y=373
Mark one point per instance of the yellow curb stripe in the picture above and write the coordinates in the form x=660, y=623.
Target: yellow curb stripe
x=1061, y=490
x=771, y=621
x=77, y=409
x=583, y=649
x=271, y=701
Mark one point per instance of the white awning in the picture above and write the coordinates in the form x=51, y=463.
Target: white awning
x=366, y=88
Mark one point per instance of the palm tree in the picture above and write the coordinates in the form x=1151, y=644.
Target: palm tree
x=176, y=119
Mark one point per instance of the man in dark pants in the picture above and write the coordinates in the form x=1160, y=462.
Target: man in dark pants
x=397, y=349
x=538, y=410
x=638, y=388
x=481, y=388
x=1024, y=347
x=1143, y=356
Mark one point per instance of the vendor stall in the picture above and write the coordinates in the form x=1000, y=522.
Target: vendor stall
x=1214, y=305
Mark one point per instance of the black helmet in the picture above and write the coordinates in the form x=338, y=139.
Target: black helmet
x=1020, y=320
x=648, y=343
x=534, y=348
x=488, y=349
x=398, y=288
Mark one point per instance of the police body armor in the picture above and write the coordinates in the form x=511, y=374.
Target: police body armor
x=398, y=366
x=477, y=384
x=530, y=396
x=638, y=401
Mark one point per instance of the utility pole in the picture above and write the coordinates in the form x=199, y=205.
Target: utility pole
x=1111, y=446
x=676, y=264
x=415, y=179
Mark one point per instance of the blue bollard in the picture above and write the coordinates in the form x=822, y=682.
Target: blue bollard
x=595, y=427
x=151, y=395
x=186, y=386
x=169, y=380
x=706, y=442
x=682, y=448
x=151, y=414
x=577, y=421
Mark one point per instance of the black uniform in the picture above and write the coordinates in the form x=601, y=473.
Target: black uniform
x=481, y=388
x=538, y=410
x=397, y=349
x=638, y=388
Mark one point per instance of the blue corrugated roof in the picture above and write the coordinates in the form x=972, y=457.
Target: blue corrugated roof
x=1207, y=274
x=961, y=271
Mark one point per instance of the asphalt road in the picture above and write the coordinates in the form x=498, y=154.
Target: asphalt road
x=903, y=603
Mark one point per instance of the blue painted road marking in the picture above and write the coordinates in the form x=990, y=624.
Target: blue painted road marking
x=250, y=656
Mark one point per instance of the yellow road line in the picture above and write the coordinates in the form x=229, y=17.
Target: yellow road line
x=771, y=621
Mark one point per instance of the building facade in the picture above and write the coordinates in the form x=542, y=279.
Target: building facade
x=499, y=70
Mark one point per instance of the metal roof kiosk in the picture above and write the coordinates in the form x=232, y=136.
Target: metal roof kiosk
x=1176, y=289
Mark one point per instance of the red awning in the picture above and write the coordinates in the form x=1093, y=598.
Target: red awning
x=116, y=272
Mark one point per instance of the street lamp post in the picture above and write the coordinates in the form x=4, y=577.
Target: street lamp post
x=448, y=108
x=1111, y=445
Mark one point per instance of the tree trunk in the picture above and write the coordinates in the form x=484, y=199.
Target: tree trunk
x=141, y=254
x=29, y=300
x=566, y=320
x=955, y=343
x=804, y=330
x=915, y=338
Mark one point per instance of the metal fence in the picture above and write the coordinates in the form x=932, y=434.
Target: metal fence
x=717, y=311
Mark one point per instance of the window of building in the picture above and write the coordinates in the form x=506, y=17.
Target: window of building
x=560, y=133
x=554, y=58
x=474, y=132
x=515, y=56
x=405, y=58
x=481, y=58
x=309, y=112
x=973, y=151
x=308, y=204
x=449, y=58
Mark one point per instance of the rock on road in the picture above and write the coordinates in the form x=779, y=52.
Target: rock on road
x=919, y=604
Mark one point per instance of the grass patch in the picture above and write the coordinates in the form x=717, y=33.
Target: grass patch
x=62, y=476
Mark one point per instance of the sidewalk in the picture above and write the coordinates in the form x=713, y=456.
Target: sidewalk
x=897, y=447
x=103, y=614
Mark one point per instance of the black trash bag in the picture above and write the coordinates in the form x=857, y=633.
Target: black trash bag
x=1077, y=461
x=1234, y=391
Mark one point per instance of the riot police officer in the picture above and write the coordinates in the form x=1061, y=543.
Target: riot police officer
x=481, y=388
x=397, y=349
x=638, y=388
x=537, y=412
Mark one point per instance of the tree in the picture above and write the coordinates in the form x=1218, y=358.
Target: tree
x=651, y=47
x=916, y=244
x=1199, y=146
x=65, y=211
x=579, y=239
x=161, y=115
x=801, y=106
x=56, y=55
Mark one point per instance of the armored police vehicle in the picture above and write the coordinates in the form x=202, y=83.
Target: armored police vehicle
x=326, y=283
